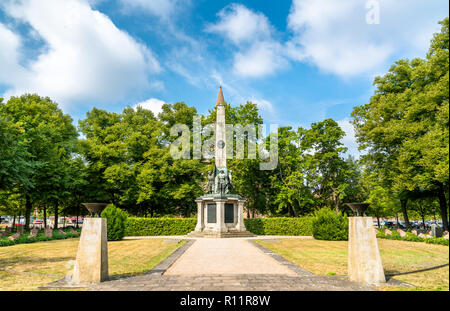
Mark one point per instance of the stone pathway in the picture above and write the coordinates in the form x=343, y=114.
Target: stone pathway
x=226, y=256
x=228, y=264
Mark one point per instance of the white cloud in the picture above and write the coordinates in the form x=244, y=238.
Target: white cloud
x=334, y=35
x=258, y=54
x=86, y=58
x=153, y=104
x=160, y=8
x=261, y=59
x=9, y=57
x=349, y=139
x=239, y=24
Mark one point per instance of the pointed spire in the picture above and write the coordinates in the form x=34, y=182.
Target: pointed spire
x=220, y=100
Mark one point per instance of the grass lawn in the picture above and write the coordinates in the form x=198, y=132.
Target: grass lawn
x=330, y=258
x=39, y=263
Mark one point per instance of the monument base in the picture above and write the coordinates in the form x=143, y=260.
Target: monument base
x=91, y=264
x=364, y=260
x=220, y=216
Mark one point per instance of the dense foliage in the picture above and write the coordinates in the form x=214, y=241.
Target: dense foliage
x=330, y=226
x=137, y=226
x=124, y=158
x=115, y=222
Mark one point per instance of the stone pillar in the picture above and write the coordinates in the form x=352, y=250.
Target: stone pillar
x=240, y=223
x=364, y=260
x=221, y=227
x=200, y=217
x=91, y=264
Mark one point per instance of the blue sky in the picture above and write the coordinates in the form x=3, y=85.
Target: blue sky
x=301, y=61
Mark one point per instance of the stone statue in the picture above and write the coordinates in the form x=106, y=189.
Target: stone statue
x=221, y=184
x=211, y=182
x=229, y=182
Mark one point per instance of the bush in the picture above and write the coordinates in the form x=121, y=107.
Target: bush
x=39, y=238
x=330, y=226
x=411, y=237
x=279, y=225
x=115, y=222
x=136, y=226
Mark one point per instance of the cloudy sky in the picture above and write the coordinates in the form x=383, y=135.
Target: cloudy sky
x=301, y=61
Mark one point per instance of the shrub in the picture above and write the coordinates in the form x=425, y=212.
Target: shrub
x=411, y=237
x=137, y=226
x=39, y=238
x=115, y=222
x=279, y=225
x=329, y=225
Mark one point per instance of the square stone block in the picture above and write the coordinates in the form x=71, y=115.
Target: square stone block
x=364, y=260
x=91, y=264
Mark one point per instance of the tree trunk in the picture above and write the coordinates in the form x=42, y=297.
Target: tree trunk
x=55, y=226
x=45, y=216
x=78, y=213
x=378, y=220
x=396, y=219
x=28, y=207
x=405, y=212
x=443, y=206
x=14, y=222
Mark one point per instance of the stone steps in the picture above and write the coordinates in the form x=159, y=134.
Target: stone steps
x=229, y=234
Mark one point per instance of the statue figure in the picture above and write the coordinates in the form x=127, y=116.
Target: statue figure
x=211, y=181
x=229, y=182
x=221, y=182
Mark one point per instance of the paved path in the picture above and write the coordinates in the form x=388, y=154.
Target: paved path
x=228, y=264
x=226, y=256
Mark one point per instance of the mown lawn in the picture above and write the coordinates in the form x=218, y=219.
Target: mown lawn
x=29, y=266
x=330, y=258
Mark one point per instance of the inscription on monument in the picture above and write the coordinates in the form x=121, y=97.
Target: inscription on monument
x=212, y=214
x=229, y=213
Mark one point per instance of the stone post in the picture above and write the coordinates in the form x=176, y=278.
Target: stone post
x=200, y=217
x=240, y=214
x=221, y=227
x=91, y=264
x=364, y=260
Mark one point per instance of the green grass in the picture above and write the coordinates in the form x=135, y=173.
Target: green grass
x=330, y=258
x=34, y=265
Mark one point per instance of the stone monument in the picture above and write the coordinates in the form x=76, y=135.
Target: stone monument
x=91, y=265
x=220, y=213
x=364, y=260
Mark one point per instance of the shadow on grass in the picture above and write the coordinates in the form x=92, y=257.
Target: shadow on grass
x=389, y=275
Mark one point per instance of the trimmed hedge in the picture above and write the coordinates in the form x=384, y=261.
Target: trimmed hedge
x=39, y=238
x=136, y=226
x=279, y=225
x=411, y=237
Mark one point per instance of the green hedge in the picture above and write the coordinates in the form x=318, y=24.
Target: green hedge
x=411, y=237
x=136, y=226
x=279, y=225
x=180, y=226
x=39, y=238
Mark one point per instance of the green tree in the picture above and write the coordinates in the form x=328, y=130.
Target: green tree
x=47, y=135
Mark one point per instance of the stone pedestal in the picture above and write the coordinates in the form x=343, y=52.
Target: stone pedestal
x=364, y=260
x=220, y=216
x=92, y=256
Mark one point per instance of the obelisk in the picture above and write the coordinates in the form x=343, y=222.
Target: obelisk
x=220, y=213
x=220, y=150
